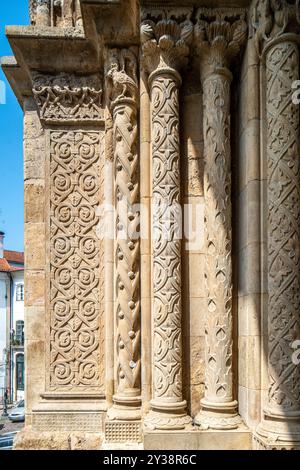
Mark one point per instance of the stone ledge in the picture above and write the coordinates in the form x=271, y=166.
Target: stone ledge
x=31, y=440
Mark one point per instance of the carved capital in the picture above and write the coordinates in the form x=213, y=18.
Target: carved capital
x=272, y=19
x=60, y=13
x=219, y=37
x=121, y=77
x=166, y=38
x=68, y=98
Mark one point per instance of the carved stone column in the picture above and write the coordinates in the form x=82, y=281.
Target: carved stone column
x=219, y=36
x=123, y=90
x=165, y=48
x=280, y=427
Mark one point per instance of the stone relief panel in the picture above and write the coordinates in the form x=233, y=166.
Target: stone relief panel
x=74, y=279
x=68, y=98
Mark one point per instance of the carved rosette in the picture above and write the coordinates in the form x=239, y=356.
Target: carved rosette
x=165, y=50
x=277, y=40
x=219, y=35
x=68, y=98
x=123, y=92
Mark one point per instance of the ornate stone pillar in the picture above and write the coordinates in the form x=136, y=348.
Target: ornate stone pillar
x=165, y=49
x=124, y=417
x=280, y=426
x=219, y=36
x=70, y=110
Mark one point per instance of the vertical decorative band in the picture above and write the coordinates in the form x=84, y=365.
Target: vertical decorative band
x=123, y=91
x=283, y=139
x=74, y=263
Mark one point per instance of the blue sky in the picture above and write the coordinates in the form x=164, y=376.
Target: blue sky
x=14, y=12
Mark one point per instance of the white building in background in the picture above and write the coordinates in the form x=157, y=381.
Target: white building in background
x=11, y=322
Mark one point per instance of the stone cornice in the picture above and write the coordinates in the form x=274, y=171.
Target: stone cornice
x=219, y=36
x=272, y=21
x=165, y=37
x=67, y=98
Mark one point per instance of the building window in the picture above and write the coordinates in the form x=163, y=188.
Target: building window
x=20, y=371
x=20, y=332
x=20, y=292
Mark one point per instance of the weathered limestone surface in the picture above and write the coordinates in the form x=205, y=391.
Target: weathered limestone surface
x=161, y=167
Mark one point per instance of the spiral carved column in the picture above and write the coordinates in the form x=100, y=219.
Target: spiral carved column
x=122, y=81
x=165, y=49
x=218, y=407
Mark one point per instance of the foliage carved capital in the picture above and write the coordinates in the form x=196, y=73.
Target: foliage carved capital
x=271, y=19
x=219, y=36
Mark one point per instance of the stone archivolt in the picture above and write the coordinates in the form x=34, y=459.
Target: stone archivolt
x=94, y=323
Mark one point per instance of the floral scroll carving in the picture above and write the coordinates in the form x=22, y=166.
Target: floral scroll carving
x=76, y=343
x=68, y=98
x=284, y=225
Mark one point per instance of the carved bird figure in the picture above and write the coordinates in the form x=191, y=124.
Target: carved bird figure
x=121, y=82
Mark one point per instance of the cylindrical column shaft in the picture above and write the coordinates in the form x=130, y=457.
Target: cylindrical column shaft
x=219, y=39
x=165, y=50
x=281, y=423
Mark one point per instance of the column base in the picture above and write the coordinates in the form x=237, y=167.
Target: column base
x=278, y=431
x=123, y=422
x=220, y=416
x=167, y=416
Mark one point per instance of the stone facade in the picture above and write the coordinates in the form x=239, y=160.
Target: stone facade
x=161, y=156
